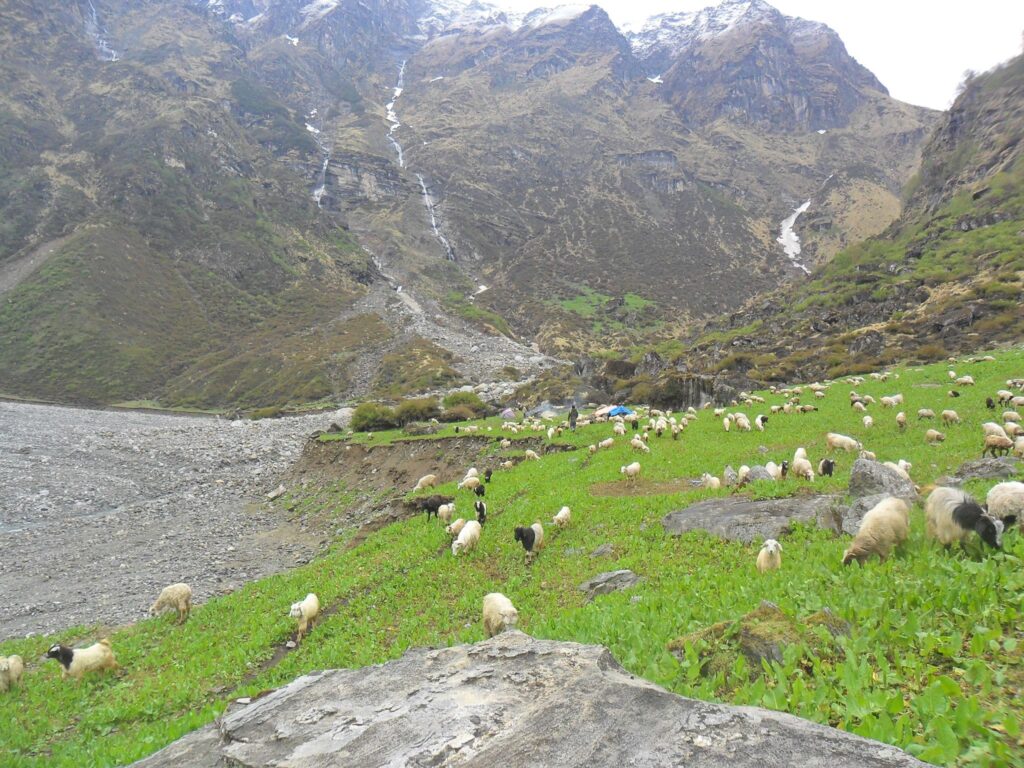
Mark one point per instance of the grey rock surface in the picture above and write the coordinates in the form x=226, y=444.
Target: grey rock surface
x=759, y=473
x=868, y=478
x=511, y=701
x=745, y=520
x=1002, y=468
x=611, y=581
x=853, y=514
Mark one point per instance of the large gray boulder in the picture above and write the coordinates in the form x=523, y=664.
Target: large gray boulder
x=868, y=478
x=511, y=701
x=745, y=520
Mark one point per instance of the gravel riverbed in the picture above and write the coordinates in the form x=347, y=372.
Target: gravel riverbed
x=99, y=510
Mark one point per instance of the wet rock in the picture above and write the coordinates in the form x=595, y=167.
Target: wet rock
x=745, y=520
x=611, y=581
x=510, y=701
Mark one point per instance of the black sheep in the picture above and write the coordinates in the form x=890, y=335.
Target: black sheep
x=481, y=512
x=970, y=516
x=487, y=475
x=430, y=504
x=990, y=403
x=784, y=467
x=480, y=491
x=826, y=467
x=527, y=536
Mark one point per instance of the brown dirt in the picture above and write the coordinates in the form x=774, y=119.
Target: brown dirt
x=642, y=487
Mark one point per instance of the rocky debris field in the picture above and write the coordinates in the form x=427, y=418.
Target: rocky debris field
x=99, y=510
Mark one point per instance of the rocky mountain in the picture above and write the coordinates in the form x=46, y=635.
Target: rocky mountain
x=217, y=202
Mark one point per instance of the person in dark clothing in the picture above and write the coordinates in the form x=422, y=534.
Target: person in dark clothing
x=573, y=415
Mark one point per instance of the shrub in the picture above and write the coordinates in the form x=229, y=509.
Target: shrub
x=458, y=413
x=468, y=399
x=264, y=413
x=369, y=416
x=417, y=409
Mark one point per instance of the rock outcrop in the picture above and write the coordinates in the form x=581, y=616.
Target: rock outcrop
x=511, y=701
x=745, y=520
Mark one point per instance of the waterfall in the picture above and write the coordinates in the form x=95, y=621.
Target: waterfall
x=428, y=202
x=392, y=116
x=99, y=34
x=789, y=239
x=321, y=188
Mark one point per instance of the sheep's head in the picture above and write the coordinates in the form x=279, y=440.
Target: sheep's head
x=772, y=546
x=296, y=611
x=457, y=547
x=5, y=666
x=510, y=618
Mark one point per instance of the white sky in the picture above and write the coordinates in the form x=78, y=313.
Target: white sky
x=919, y=49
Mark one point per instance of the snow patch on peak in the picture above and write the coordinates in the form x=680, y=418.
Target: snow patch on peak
x=677, y=31
x=562, y=13
x=318, y=9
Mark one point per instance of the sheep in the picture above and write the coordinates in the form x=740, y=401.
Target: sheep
x=802, y=468
x=480, y=491
x=469, y=536
x=991, y=428
x=531, y=455
x=726, y=423
x=950, y=417
x=562, y=518
x=445, y=511
x=774, y=470
x=899, y=470
x=1005, y=499
x=952, y=393
x=472, y=472
x=835, y=440
x=488, y=473
x=176, y=596
x=499, y=614
x=742, y=423
x=710, y=481
x=901, y=421
x=950, y=515
x=868, y=422
x=507, y=464
x=1018, y=447
x=800, y=453
x=639, y=445
x=455, y=528
x=925, y=413
x=887, y=402
x=481, y=511
x=964, y=381
x=526, y=536
x=431, y=504
x=631, y=471
x=469, y=483
x=869, y=455
x=306, y=611
x=826, y=467
x=933, y=436
x=1011, y=416
x=770, y=556
x=886, y=525
x=619, y=430
x=505, y=443
x=995, y=444
x=11, y=670
x=743, y=475
x=1004, y=396
x=427, y=481
x=75, y=662
x=538, y=536
x=759, y=421
x=859, y=406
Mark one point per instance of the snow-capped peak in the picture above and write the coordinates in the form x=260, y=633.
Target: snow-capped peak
x=676, y=31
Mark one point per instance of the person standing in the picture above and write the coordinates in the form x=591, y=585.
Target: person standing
x=573, y=415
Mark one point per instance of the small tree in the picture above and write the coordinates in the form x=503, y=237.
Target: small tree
x=370, y=416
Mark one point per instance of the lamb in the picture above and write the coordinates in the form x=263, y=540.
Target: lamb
x=499, y=614
x=631, y=471
x=469, y=536
x=802, y=468
x=445, y=511
x=835, y=440
x=868, y=422
x=176, y=596
x=306, y=611
x=901, y=421
x=431, y=504
x=770, y=556
x=481, y=511
x=885, y=526
x=925, y=413
x=427, y=481
x=11, y=670
x=77, y=661
x=1005, y=500
x=532, y=455
x=469, y=483
x=995, y=444
x=950, y=417
x=455, y=528
x=710, y=481
x=950, y=515
x=826, y=467
x=933, y=436
x=562, y=518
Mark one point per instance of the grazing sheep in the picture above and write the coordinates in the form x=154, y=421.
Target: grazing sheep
x=759, y=421
x=538, y=536
x=710, y=481
x=859, y=406
x=526, y=536
x=11, y=670
x=631, y=471
x=1005, y=500
x=950, y=417
x=445, y=512
x=899, y=470
x=481, y=511
x=455, y=528
x=469, y=483
x=505, y=443
x=639, y=445
x=531, y=455
x=869, y=455
x=800, y=453
x=431, y=504
x=952, y=393
x=469, y=536
x=306, y=612
x=802, y=468
x=901, y=421
x=774, y=470
x=887, y=402
x=726, y=423
x=826, y=467
x=499, y=614
x=488, y=473
x=834, y=440
x=770, y=556
x=991, y=428
x=868, y=422
x=933, y=436
x=507, y=464
x=1003, y=396
x=995, y=444
x=562, y=518
x=1013, y=429
x=480, y=491
x=743, y=475
x=925, y=413
x=950, y=515
x=75, y=662
x=1018, y=447
x=427, y=481
x=177, y=597
x=1011, y=416
x=885, y=526
x=964, y=381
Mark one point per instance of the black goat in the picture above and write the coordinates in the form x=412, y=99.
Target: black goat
x=481, y=512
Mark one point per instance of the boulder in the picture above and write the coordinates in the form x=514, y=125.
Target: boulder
x=510, y=701
x=745, y=520
x=868, y=478
x=610, y=581
x=758, y=472
x=1003, y=468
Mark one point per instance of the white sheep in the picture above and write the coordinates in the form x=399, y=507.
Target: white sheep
x=710, y=481
x=1011, y=416
x=177, y=597
x=469, y=483
x=1004, y=396
x=445, y=512
x=901, y=468
x=631, y=471
x=1013, y=429
x=1005, y=499
x=859, y=406
x=964, y=381
x=933, y=436
x=885, y=526
x=726, y=423
x=995, y=444
x=306, y=612
x=499, y=614
x=802, y=468
x=505, y=443
x=991, y=428
x=800, y=453
x=563, y=517
x=455, y=528
x=834, y=440
x=11, y=670
x=1018, y=447
x=950, y=417
x=868, y=422
x=869, y=455
x=770, y=556
x=472, y=472
x=774, y=470
x=427, y=481
x=901, y=421
x=531, y=455
x=950, y=515
x=468, y=538
x=538, y=536
x=75, y=662
x=925, y=413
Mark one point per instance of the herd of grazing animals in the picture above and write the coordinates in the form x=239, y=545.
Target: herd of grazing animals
x=951, y=515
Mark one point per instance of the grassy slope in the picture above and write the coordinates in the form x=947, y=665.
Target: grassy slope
x=933, y=664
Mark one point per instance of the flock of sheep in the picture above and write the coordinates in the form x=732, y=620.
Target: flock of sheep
x=951, y=515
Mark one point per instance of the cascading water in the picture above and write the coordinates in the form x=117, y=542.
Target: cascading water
x=321, y=188
x=428, y=202
x=789, y=239
x=392, y=116
x=98, y=32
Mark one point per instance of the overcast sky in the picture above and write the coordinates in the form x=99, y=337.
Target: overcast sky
x=918, y=49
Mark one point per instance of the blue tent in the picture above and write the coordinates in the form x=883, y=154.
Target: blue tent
x=620, y=410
